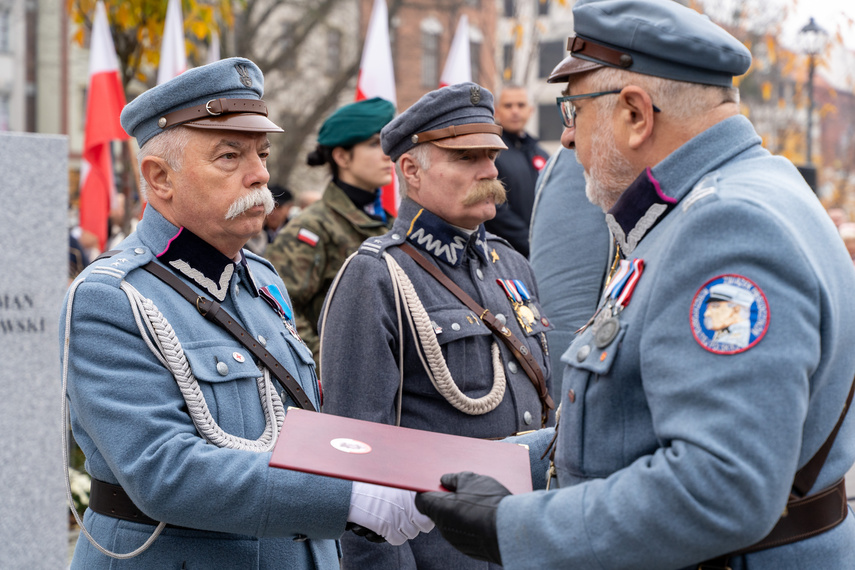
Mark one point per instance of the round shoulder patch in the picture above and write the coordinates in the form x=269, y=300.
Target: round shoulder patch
x=729, y=314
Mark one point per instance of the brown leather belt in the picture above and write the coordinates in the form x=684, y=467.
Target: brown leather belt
x=803, y=517
x=112, y=501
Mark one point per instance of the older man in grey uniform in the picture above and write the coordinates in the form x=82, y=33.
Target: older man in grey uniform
x=398, y=346
x=175, y=351
x=678, y=447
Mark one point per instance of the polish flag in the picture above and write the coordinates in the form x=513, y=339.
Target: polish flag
x=104, y=104
x=173, y=57
x=458, y=67
x=377, y=79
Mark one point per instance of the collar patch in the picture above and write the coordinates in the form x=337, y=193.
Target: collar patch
x=199, y=261
x=437, y=237
x=638, y=210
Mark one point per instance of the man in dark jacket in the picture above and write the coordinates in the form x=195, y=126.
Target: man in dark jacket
x=518, y=168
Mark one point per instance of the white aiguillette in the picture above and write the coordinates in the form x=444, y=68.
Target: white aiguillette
x=400, y=457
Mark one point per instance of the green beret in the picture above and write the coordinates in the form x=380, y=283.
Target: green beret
x=356, y=122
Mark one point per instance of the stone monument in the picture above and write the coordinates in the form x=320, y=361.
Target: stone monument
x=33, y=279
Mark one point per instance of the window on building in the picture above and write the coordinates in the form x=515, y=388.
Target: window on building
x=333, y=52
x=551, y=53
x=431, y=30
x=5, y=19
x=507, y=61
x=542, y=7
x=4, y=111
x=549, y=125
x=475, y=60
x=509, y=8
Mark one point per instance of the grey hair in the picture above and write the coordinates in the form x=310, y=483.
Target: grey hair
x=682, y=101
x=419, y=153
x=168, y=145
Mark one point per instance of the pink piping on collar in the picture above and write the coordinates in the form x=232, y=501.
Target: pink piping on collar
x=661, y=194
x=165, y=249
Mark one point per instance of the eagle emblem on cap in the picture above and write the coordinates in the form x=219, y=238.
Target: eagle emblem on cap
x=475, y=94
x=244, y=75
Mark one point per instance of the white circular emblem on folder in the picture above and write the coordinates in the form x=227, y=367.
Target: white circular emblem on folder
x=348, y=445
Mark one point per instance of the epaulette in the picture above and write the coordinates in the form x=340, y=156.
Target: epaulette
x=375, y=246
x=260, y=259
x=112, y=267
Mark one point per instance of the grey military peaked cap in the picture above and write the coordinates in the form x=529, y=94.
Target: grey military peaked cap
x=653, y=37
x=458, y=116
x=222, y=95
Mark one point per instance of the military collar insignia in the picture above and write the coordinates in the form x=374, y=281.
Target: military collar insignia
x=443, y=241
x=638, y=210
x=199, y=261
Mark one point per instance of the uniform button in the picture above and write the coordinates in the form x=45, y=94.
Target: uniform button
x=583, y=353
x=222, y=368
x=512, y=366
x=527, y=418
x=395, y=236
x=480, y=274
x=455, y=327
x=139, y=251
x=571, y=396
x=262, y=340
x=501, y=318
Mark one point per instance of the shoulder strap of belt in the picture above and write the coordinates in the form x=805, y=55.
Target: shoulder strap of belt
x=212, y=311
x=803, y=516
x=519, y=350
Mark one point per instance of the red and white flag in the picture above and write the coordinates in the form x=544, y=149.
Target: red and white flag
x=458, y=66
x=377, y=79
x=104, y=104
x=173, y=57
x=376, y=72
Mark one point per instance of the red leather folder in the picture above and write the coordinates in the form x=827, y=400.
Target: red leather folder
x=405, y=458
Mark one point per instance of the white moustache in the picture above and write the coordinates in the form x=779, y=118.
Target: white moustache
x=257, y=197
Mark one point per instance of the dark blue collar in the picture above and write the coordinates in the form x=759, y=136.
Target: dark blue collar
x=432, y=234
x=201, y=262
x=638, y=209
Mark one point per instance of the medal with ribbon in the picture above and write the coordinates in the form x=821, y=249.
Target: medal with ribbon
x=618, y=294
x=520, y=298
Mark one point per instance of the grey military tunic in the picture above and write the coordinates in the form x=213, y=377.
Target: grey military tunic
x=361, y=349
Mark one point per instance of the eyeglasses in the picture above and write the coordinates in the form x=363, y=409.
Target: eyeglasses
x=568, y=109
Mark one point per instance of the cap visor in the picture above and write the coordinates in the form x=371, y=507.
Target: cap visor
x=473, y=140
x=252, y=122
x=571, y=66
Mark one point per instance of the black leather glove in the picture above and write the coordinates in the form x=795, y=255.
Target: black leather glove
x=466, y=517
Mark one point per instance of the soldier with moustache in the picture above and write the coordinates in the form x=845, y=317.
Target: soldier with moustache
x=398, y=347
x=173, y=352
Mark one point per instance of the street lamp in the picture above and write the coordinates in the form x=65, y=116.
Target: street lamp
x=813, y=38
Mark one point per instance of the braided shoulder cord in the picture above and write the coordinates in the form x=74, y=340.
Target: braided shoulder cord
x=433, y=361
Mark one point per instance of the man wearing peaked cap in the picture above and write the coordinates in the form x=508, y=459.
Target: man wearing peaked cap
x=398, y=347
x=313, y=246
x=175, y=346
x=679, y=446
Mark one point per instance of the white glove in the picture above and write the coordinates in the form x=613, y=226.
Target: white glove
x=389, y=512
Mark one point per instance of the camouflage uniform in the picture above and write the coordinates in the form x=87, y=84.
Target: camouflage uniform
x=308, y=270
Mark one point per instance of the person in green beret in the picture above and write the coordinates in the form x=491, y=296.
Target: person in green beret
x=312, y=247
